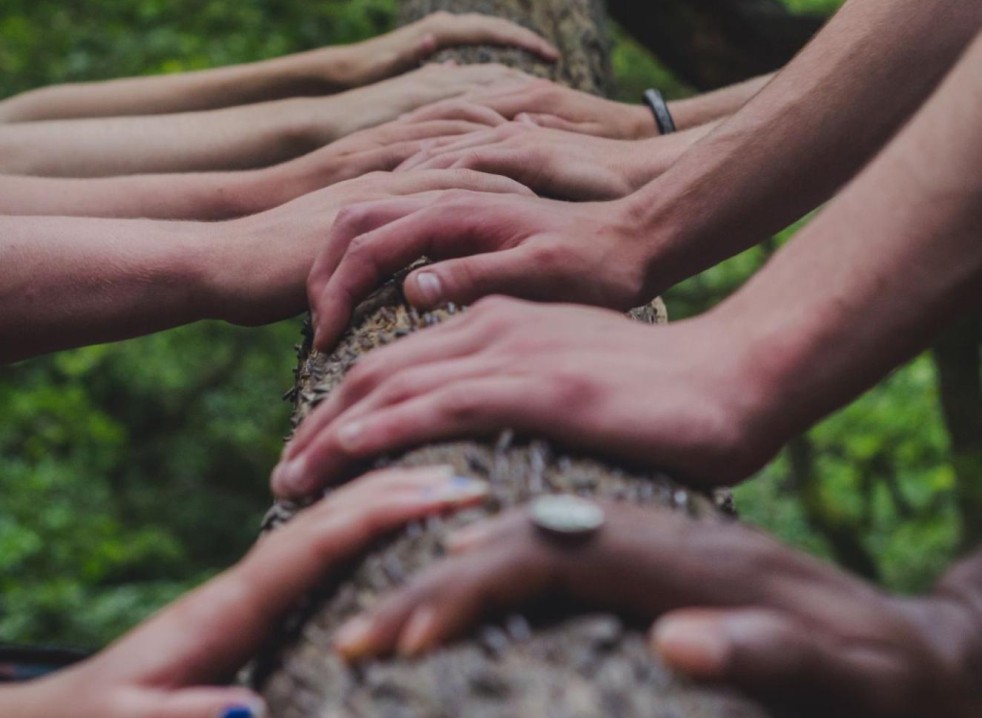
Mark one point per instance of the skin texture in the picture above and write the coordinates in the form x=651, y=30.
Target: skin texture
x=730, y=605
x=557, y=163
x=861, y=289
x=797, y=139
x=225, y=195
x=240, y=137
x=321, y=71
x=176, y=664
x=73, y=281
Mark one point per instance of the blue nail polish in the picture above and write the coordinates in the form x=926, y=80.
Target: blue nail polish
x=238, y=712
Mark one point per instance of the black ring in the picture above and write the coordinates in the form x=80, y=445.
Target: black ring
x=659, y=108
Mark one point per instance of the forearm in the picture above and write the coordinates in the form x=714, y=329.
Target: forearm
x=316, y=72
x=881, y=271
x=72, y=281
x=715, y=105
x=195, y=196
x=806, y=133
x=236, y=138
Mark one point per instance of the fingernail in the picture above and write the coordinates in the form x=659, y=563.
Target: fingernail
x=694, y=646
x=418, y=632
x=429, y=287
x=354, y=638
x=457, y=489
x=349, y=436
x=290, y=475
x=257, y=710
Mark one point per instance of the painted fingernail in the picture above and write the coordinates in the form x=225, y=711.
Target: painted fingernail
x=256, y=710
x=354, y=638
x=694, y=646
x=349, y=436
x=418, y=633
x=290, y=475
x=430, y=287
x=457, y=489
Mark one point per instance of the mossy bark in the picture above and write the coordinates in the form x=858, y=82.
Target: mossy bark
x=557, y=662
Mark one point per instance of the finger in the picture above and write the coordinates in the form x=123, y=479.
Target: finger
x=213, y=630
x=473, y=28
x=199, y=703
x=449, y=598
x=769, y=653
x=454, y=110
x=553, y=122
x=359, y=262
x=468, y=408
x=443, y=342
x=514, y=272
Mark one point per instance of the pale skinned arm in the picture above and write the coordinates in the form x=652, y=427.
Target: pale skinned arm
x=225, y=195
x=857, y=292
x=790, y=148
x=179, y=663
x=71, y=281
x=315, y=72
x=243, y=137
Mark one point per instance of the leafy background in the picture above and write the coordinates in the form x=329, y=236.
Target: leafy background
x=129, y=473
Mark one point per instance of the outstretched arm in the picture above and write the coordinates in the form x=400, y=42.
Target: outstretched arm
x=856, y=293
x=241, y=137
x=316, y=72
x=69, y=281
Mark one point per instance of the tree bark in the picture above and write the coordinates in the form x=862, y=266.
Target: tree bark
x=557, y=662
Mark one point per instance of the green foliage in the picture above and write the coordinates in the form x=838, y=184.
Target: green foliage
x=130, y=472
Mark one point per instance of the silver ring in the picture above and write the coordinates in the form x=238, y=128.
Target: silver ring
x=566, y=516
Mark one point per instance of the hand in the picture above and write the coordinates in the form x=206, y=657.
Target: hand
x=255, y=267
x=521, y=246
x=174, y=664
x=375, y=149
x=547, y=104
x=387, y=100
x=402, y=49
x=736, y=607
x=683, y=397
x=556, y=163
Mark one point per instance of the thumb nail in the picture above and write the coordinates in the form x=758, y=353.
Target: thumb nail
x=430, y=288
x=696, y=646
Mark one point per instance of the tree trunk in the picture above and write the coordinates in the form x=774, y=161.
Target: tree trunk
x=560, y=664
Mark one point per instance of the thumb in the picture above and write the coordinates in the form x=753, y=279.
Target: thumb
x=467, y=279
x=232, y=702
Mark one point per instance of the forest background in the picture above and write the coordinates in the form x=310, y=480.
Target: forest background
x=131, y=472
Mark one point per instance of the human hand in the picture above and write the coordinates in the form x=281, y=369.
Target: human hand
x=255, y=268
x=555, y=163
x=402, y=49
x=548, y=104
x=387, y=100
x=521, y=246
x=687, y=397
x=175, y=664
x=374, y=149
x=732, y=606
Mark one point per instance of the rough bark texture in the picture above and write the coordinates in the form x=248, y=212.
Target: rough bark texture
x=553, y=663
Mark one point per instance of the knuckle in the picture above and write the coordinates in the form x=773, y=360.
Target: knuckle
x=460, y=405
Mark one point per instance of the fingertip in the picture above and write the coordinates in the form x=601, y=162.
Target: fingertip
x=420, y=633
x=424, y=289
x=692, y=644
x=356, y=639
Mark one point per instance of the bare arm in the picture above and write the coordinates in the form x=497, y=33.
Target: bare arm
x=241, y=137
x=316, y=72
x=806, y=133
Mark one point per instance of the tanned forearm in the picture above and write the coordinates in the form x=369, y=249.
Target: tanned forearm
x=807, y=132
x=883, y=269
